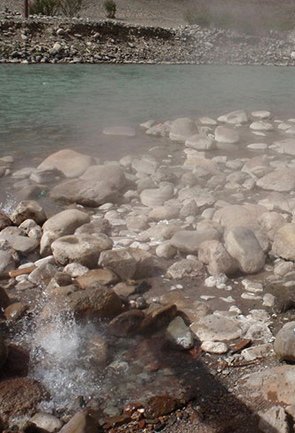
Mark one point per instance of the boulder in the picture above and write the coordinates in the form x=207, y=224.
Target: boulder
x=18, y=242
x=185, y=268
x=213, y=254
x=234, y=117
x=270, y=222
x=97, y=225
x=281, y=180
x=226, y=135
x=242, y=244
x=261, y=125
x=84, y=249
x=200, y=142
x=97, y=277
x=284, y=345
x=157, y=196
x=284, y=242
x=90, y=192
x=28, y=209
x=182, y=128
x=261, y=114
x=82, y=422
x=285, y=146
x=246, y=215
x=189, y=241
x=69, y=162
x=100, y=173
x=179, y=334
x=274, y=420
x=46, y=422
x=126, y=323
x=120, y=261
x=94, y=302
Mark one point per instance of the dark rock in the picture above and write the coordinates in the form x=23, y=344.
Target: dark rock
x=158, y=318
x=160, y=405
x=126, y=323
x=97, y=277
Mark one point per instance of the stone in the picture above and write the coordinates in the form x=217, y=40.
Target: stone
x=19, y=396
x=163, y=213
x=216, y=328
x=69, y=162
x=3, y=352
x=270, y=222
x=257, y=352
x=257, y=166
x=75, y=270
x=185, y=268
x=90, y=192
x=97, y=225
x=242, y=244
x=145, y=165
x=18, y=242
x=284, y=345
x=234, y=118
x=280, y=180
x=213, y=254
x=43, y=274
x=166, y=250
x=5, y=221
x=158, y=317
x=284, y=242
x=214, y=347
x=181, y=129
x=97, y=277
x=246, y=215
x=94, y=302
x=83, y=249
x=28, y=209
x=286, y=146
x=100, y=173
x=15, y=311
x=157, y=196
x=226, y=135
x=274, y=420
x=126, y=323
x=179, y=334
x=121, y=131
x=82, y=422
x=121, y=262
x=161, y=405
x=261, y=114
x=189, y=241
x=46, y=421
x=200, y=142
x=261, y=125
x=4, y=298
x=31, y=229
x=8, y=257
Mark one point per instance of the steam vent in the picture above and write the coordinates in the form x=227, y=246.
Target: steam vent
x=153, y=291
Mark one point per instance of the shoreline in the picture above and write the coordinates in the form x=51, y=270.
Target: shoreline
x=81, y=41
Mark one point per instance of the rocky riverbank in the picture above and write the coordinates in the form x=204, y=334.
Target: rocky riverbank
x=161, y=281
x=56, y=40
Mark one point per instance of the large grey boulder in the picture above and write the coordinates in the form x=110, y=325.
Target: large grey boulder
x=216, y=328
x=226, y=135
x=182, y=128
x=284, y=242
x=83, y=249
x=28, y=209
x=284, y=345
x=69, y=162
x=242, y=244
x=111, y=173
x=281, y=180
x=191, y=267
x=213, y=254
x=239, y=215
x=189, y=241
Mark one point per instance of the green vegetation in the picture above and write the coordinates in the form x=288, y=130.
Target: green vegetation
x=110, y=8
x=68, y=8
x=251, y=17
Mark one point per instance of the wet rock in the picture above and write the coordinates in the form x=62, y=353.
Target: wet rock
x=284, y=242
x=5, y=221
x=69, y=162
x=200, y=142
x=274, y=420
x=15, y=311
x=4, y=298
x=3, y=351
x=226, y=135
x=261, y=114
x=281, y=180
x=75, y=270
x=185, y=268
x=158, y=318
x=145, y=165
x=160, y=405
x=46, y=421
x=99, y=303
x=261, y=125
x=181, y=129
x=215, y=347
x=179, y=334
x=213, y=254
x=257, y=166
x=146, y=263
x=98, y=225
x=90, y=193
x=82, y=422
x=97, y=277
x=98, y=350
x=8, y=257
x=239, y=215
x=43, y=274
x=257, y=352
x=166, y=250
x=285, y=146
x=121, y=262
x=284, y=345
x=157, y=196
x=216, y=328
x=17, y=241
x=243, y=246
x=137, y=223
x=163, y=213
x=44, y=176
x=83, y=249
x=124, y=290
x=28, y=209
x=113, y=174
x=189, y=241
x=19, y=396
x=31, y=229
x=127, y=323
x=234, y=118
x=270, y=222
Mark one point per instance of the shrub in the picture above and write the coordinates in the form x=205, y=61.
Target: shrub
x=44, y=7
x=110, y=8
x=70, y=8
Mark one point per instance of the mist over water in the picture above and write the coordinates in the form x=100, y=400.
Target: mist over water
x=43, y=109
